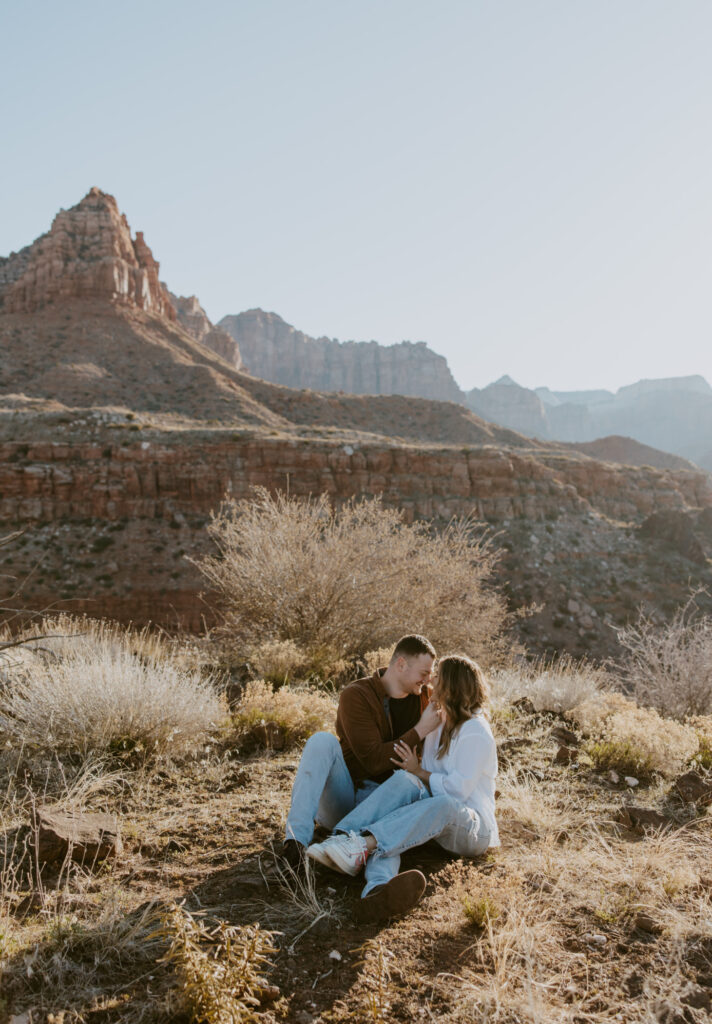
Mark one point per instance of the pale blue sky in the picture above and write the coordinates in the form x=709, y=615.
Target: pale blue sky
x=524, y=184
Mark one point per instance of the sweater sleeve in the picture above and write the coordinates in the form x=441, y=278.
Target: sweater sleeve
x=471, y=756
x=360, y=725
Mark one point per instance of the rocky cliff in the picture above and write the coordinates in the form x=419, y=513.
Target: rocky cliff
x=88, y=253
x=275, y=351
x=194, y=319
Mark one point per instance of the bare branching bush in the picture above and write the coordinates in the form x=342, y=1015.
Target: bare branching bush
x=669, y=665
x=283, y=717
x=219, y=969
x=558, y=685
x=352, y=579
x=92, y=692
x=629, y=738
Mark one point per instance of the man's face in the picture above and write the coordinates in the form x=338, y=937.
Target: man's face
x=416, y=672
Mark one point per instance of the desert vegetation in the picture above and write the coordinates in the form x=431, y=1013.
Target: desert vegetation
x=596, y=908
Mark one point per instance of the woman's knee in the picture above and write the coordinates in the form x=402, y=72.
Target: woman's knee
x=406, y=783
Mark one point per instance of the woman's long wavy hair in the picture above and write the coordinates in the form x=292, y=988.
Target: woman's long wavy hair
x=462, y=691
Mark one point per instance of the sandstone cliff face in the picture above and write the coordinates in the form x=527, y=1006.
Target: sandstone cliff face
x=194, y=319
x=88, y=253
x=276, y=351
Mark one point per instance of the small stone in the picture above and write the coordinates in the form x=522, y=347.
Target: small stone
x=648, y=924
x=692, y=788
x=614, y=777
x=335, y=955
x=631, y=781
x=565, y=755
x=573, y=606
x=549, y=557
x=595, y=939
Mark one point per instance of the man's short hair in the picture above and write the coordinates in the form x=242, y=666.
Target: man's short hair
x=412, y=646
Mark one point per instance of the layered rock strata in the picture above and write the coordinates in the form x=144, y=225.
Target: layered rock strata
x=277, y=352
x=88, y=253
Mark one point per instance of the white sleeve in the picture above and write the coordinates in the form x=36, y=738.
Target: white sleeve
x=467, y=763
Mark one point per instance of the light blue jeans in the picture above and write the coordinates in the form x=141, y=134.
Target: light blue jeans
x=401, y=814
x=323, y=789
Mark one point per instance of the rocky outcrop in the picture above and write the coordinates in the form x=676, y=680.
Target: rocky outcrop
x=276, y=351
x=627, y=452
x=88, y=253
x=193, y=318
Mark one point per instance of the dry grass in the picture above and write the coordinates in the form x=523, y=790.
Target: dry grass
x=340, y=582
x=284, y=717
x=555, y=686
x=97, y=688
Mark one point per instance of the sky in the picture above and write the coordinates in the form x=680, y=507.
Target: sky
x=523, y=184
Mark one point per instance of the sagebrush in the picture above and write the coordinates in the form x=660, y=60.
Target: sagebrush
x=349, y=580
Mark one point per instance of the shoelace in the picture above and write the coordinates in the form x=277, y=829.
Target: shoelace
x=363, y=852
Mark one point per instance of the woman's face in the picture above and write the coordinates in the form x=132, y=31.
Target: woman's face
x=436, y=698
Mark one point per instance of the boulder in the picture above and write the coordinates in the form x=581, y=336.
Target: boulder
x=85, y=837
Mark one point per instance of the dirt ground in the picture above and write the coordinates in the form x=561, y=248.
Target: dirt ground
x=575, y=918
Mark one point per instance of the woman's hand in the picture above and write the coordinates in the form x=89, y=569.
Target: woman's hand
x=406, y=758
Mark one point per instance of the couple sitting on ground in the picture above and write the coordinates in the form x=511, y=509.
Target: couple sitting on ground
x=349, y=784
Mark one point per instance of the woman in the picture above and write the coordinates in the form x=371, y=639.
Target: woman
x=448, y=796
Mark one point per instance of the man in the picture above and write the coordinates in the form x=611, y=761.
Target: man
x=334, y=775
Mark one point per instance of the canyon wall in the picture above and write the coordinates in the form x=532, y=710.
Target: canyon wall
x=274, y=350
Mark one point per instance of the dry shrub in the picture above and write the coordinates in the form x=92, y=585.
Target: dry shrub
x=220, y=970
x=278, y=661
x=373, y=660
x=702, y=724
x=90, y=692
x=352, y=579
x=550, y=685
x=632, y=739
x=283, y=717
x=669, y=666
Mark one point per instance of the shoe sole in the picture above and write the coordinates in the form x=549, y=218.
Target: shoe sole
x=320, y=855
x=394, y=898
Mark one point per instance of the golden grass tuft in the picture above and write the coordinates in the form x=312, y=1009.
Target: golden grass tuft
x=220, y=970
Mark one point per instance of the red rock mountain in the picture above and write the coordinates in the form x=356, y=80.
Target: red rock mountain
x=120, y=430
x=88, y=253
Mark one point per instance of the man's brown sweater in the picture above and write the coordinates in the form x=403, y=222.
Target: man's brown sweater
x=364, y=725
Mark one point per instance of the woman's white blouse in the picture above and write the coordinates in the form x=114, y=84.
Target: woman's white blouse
x=468, y=770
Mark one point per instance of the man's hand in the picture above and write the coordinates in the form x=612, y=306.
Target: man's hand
x=428, y=721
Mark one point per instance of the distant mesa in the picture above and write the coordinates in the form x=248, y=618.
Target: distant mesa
x=274, y=350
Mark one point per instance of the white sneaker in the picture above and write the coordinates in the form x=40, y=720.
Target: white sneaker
x=318, y=852
x=347, y=853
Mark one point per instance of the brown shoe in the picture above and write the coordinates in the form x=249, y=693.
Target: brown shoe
x=392, y=899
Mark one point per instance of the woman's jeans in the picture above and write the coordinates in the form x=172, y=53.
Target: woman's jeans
x=323, y=789
x=401, y=814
